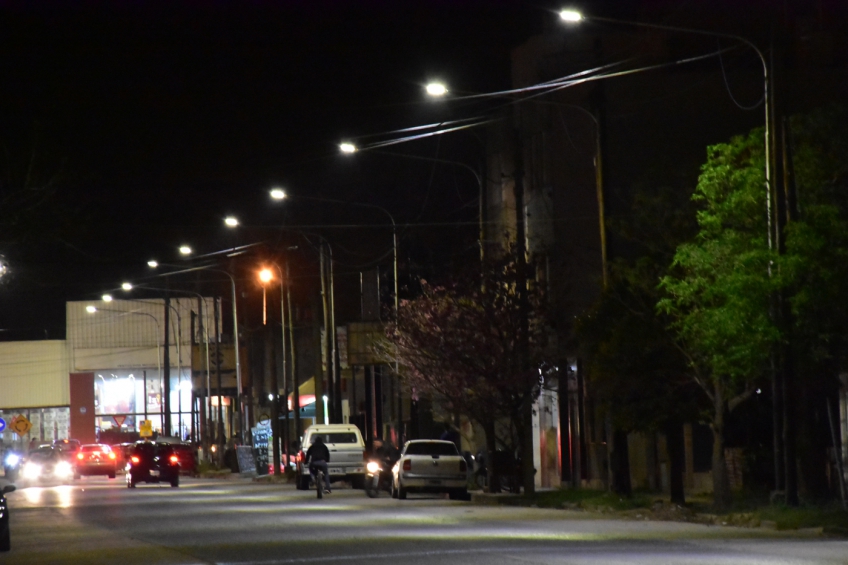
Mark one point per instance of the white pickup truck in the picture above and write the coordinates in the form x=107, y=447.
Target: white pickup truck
x=347, y=454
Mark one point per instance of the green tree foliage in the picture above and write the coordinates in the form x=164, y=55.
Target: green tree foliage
x=461, y=344
x=815, y=266
x=719, y=289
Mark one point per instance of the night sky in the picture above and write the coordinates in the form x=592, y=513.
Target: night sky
x=150, y=121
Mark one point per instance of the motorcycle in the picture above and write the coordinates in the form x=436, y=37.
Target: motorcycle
x=12, y=464
x=378, y=476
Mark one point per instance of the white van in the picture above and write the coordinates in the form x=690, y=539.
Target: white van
x=347, y=454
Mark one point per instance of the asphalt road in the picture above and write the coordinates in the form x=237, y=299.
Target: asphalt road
x=206, y=521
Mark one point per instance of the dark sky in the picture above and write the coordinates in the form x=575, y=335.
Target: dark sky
x=158, y=118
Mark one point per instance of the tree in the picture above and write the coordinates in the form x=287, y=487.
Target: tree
x=718, y=290
x=813, y=272
x=637, y=374
x=461, y=343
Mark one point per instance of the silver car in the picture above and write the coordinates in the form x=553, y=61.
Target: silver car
x=433, y=466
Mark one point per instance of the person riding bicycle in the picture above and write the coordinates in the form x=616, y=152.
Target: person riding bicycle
x=317, y=457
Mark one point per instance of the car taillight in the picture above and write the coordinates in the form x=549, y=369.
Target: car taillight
x=174, y=459
x=463, y=466
x=299, y=457
x=135, y=459
x=79, y=455
x=407, y=465
x=111, y=455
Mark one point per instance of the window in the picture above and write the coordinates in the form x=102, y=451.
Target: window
x=431, y=448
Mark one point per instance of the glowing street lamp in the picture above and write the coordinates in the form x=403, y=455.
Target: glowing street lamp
x=185, y=250
x=436, y=89
x=572, y=16
x=231, y=221
x=347, y=147
x=106, y=298
x=278, y=193
x=153, y=263
x=126, y=286
x=265, y=276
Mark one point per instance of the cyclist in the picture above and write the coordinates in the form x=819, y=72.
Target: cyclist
x=317, y=457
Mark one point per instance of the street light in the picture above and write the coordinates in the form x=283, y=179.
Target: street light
x=574, y=16
x=235, y=334
x=337, y=383
x=436, y=89
x=231, y=221
x=347, y=147
x=204, y=329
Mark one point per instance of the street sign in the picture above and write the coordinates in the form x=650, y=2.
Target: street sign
x=2, y=425
x=119, y=420
x=145, y=429
x=20, y=425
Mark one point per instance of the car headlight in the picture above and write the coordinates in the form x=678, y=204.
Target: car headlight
x=373, y=467
x=32, y=470
x=64, y=469
x=12, y=459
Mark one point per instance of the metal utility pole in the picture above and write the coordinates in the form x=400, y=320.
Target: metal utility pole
x=166, y=393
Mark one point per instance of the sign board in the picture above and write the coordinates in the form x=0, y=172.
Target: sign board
x=361, y=338
x=2, y=425
x=119, y=420
x=261, y=443
x=145, y=428
x=20, y=425
x=246, y=461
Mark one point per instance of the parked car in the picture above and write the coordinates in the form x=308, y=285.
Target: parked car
x=153, y=462
x=46, y=464
x=5, y=534
x=95, y=459
x=430, y=466
x=347, y=450
x=187, y=455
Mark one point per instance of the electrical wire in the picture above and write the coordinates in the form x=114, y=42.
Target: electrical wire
x=727, y=84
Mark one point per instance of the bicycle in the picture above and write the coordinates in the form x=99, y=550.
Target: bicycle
x=317, y=473
x=319, y=482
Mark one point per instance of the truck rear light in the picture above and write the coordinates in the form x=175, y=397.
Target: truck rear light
x=79, y=456
x=407, y=465
x=111, y=455
x=135, y=459
x=174, y=459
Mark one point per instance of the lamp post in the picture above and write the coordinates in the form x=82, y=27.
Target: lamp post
x=204, y=330
x=235, y=332
x=573, y=16
x=349, y=148
x=774, y=238
x=91, y=309
x=279, y=194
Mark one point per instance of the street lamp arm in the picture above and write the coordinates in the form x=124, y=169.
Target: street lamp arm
x=685, y=30
x=467, y=167
x=768, y=107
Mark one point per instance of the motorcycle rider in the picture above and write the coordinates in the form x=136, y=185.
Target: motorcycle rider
x=385, y=452
x=317, y=457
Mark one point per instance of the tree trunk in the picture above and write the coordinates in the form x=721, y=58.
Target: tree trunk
x=525, y=433
x=677, y=461
x=619, y=460
x=721, y=484
x=493, y=479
